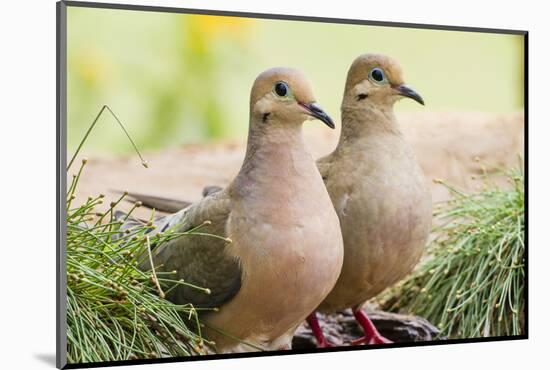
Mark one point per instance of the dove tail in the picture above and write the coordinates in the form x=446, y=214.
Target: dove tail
x=168, y=205
x=161, y=204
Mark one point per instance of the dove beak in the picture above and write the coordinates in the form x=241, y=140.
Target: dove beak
x=316, y=111
x=408, y=92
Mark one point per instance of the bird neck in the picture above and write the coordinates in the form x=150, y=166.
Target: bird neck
x=273, y=145
x=361, y=123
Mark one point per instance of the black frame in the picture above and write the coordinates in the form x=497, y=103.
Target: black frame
x=61, y=165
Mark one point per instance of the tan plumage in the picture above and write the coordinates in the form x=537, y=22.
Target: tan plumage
x=286, y=251
x=376, y=185
x=377, y=188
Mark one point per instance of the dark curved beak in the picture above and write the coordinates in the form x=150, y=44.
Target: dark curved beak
x=409, y=93
x=316, y=111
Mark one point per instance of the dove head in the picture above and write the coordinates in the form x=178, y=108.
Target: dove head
x=376, y=80
x=283, y=96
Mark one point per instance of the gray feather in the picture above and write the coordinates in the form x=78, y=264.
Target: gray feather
x=199, y=260
x=162, y=204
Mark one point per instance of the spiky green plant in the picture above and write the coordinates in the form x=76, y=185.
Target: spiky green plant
x=115, y=310
x=472, y=283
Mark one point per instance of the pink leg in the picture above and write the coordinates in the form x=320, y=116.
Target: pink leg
x=322, y=342
x=372, y=336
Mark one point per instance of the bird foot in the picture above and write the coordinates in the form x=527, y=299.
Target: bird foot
x=375, y=339
x=372, y=336
x=322, y=342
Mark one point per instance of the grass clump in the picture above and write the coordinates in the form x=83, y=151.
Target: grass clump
x=472, y=283
x=115, y=311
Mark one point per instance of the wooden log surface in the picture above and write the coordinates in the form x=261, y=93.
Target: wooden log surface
x=341, y=329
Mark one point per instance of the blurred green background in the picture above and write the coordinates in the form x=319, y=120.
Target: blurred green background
x=174, y=78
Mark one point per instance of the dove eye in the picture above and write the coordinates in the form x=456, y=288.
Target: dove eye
x=281, y=89
x=377, y=75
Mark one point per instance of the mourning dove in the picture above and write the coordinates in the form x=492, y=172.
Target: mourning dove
x=286, y=247
x=378, y=190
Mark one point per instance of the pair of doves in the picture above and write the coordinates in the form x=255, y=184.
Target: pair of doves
x=305, y=235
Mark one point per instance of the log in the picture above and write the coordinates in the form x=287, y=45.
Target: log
x=341, y=328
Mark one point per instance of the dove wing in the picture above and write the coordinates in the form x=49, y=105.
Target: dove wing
x=200, y=260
